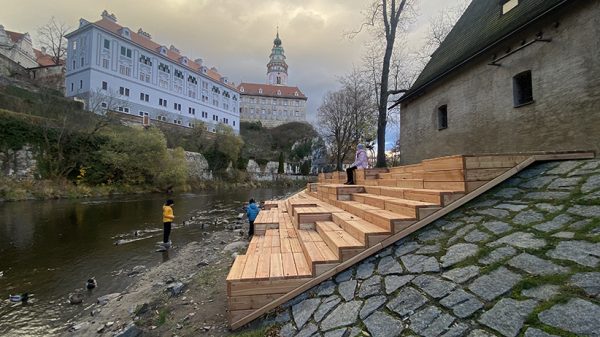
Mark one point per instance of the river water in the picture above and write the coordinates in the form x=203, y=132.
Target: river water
x=50, y=248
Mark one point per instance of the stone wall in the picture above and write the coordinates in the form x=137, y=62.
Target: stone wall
x=20, y=164
x=269, y=173
x=9, y=67
x=565, y=114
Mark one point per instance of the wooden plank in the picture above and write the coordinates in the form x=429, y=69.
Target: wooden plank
x=444, y=163
x=276, y=266
x=448, y=175
x=302, y=267
x=499, y=161
x=264, y=265
x=237, y=268
x=473, y=185
x=251, y=302
x=484, y=174
x=289, y=266
x=445, y=185
x=250, y=267
x=247, y=288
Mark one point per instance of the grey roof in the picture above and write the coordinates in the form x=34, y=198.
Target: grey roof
x=481, y=26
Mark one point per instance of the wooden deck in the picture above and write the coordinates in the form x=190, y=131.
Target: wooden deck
x=329, y=226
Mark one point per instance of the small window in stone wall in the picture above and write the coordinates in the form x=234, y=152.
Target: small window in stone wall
x=522, y=89
x=442, y=115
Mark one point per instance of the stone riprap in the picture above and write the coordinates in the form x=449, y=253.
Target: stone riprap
x=521, y=260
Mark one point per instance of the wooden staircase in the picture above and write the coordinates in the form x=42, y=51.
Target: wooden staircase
x=329, y=226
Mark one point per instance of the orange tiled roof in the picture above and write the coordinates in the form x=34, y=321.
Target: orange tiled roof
x=270, y=90
x=155, y=47
x=45, y=60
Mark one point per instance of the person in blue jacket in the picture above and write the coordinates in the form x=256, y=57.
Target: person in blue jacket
x=252, y=213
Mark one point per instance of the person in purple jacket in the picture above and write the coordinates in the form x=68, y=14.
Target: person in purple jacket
x=360, y=162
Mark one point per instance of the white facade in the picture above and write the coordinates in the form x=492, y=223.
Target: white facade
x=19, y=50
x=110, y=71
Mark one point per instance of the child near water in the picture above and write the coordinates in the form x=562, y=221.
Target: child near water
x=168, y=218
x=252, y=213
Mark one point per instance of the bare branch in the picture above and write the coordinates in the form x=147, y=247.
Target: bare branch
x=52, y=38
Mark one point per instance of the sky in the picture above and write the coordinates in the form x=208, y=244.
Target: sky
x=236, y=36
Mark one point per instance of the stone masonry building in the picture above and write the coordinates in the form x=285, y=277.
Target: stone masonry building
x=511, y=76
x=273, y=103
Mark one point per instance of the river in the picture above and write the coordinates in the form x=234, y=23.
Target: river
x=50, y=248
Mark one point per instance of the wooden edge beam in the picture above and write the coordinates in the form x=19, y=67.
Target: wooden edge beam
x=414, y=227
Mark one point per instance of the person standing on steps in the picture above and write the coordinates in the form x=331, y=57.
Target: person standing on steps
x=360, y=161
x=168, y=218
x=252, y=213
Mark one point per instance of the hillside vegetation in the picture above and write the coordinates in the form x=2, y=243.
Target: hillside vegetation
x=82, y=153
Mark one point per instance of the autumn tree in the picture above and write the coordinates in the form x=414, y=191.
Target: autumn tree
x=52, y=38
x=346, y=116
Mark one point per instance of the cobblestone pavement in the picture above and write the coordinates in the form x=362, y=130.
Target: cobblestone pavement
x=521, y=260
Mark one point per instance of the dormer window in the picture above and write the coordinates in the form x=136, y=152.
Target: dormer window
x=279, y=92
x=203, y=70
x=184, y=60
x=163, y=50
x=296, y=93
x=125, y=33
x=241, y=89
x=260, y=91
x=508, y=5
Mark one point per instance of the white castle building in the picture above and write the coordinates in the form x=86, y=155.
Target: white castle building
x=112, y=68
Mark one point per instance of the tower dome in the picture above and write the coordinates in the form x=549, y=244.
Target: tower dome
x=277, y=67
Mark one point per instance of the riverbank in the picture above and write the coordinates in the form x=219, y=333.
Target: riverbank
x=29, y=189
x=184, y=296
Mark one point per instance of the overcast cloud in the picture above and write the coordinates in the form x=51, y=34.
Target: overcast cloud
x=236, y=36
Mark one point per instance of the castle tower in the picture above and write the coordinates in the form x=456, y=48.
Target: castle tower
x=277, y=68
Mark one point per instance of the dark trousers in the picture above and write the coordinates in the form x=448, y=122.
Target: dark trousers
x=251, y=230
x=166, y=231
x=350, y=173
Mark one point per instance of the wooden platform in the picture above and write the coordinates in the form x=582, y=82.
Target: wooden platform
x=328, y=227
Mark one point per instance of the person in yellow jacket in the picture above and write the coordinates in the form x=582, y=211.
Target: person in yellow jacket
x=168, y=218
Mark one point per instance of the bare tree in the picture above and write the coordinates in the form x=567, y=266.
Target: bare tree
x=347, y=116
x=385, y=18
x=102, y=102
x=52, y=37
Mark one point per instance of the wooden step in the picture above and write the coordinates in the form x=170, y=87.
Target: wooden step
x=387, y=220
x=410, y=208
x=318, y=255
x=434, y=196
x=365, y=232
x=341, y=243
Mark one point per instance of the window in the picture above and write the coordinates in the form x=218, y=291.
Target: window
x=507, y=5
x=215, y=118
x=145, y=60
x=162, y=102
x=106, y=44
x=226, y=120
x=442, y=117
x=105, y=63
x=126, y=52
x=204, y=114
x=124, y=70
x=260, y=90
x=123, y=109
x=81, y=64
x=144, y=77
x=104, y=85
x=144, y=97
x=191, y=111
x=278, y=80
x=74, y=45
x=104, y=105
x=124, y=91
x=80, y=84
x=177, y=106
x=233, y=123
x=74, y=64
x=522, y=89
